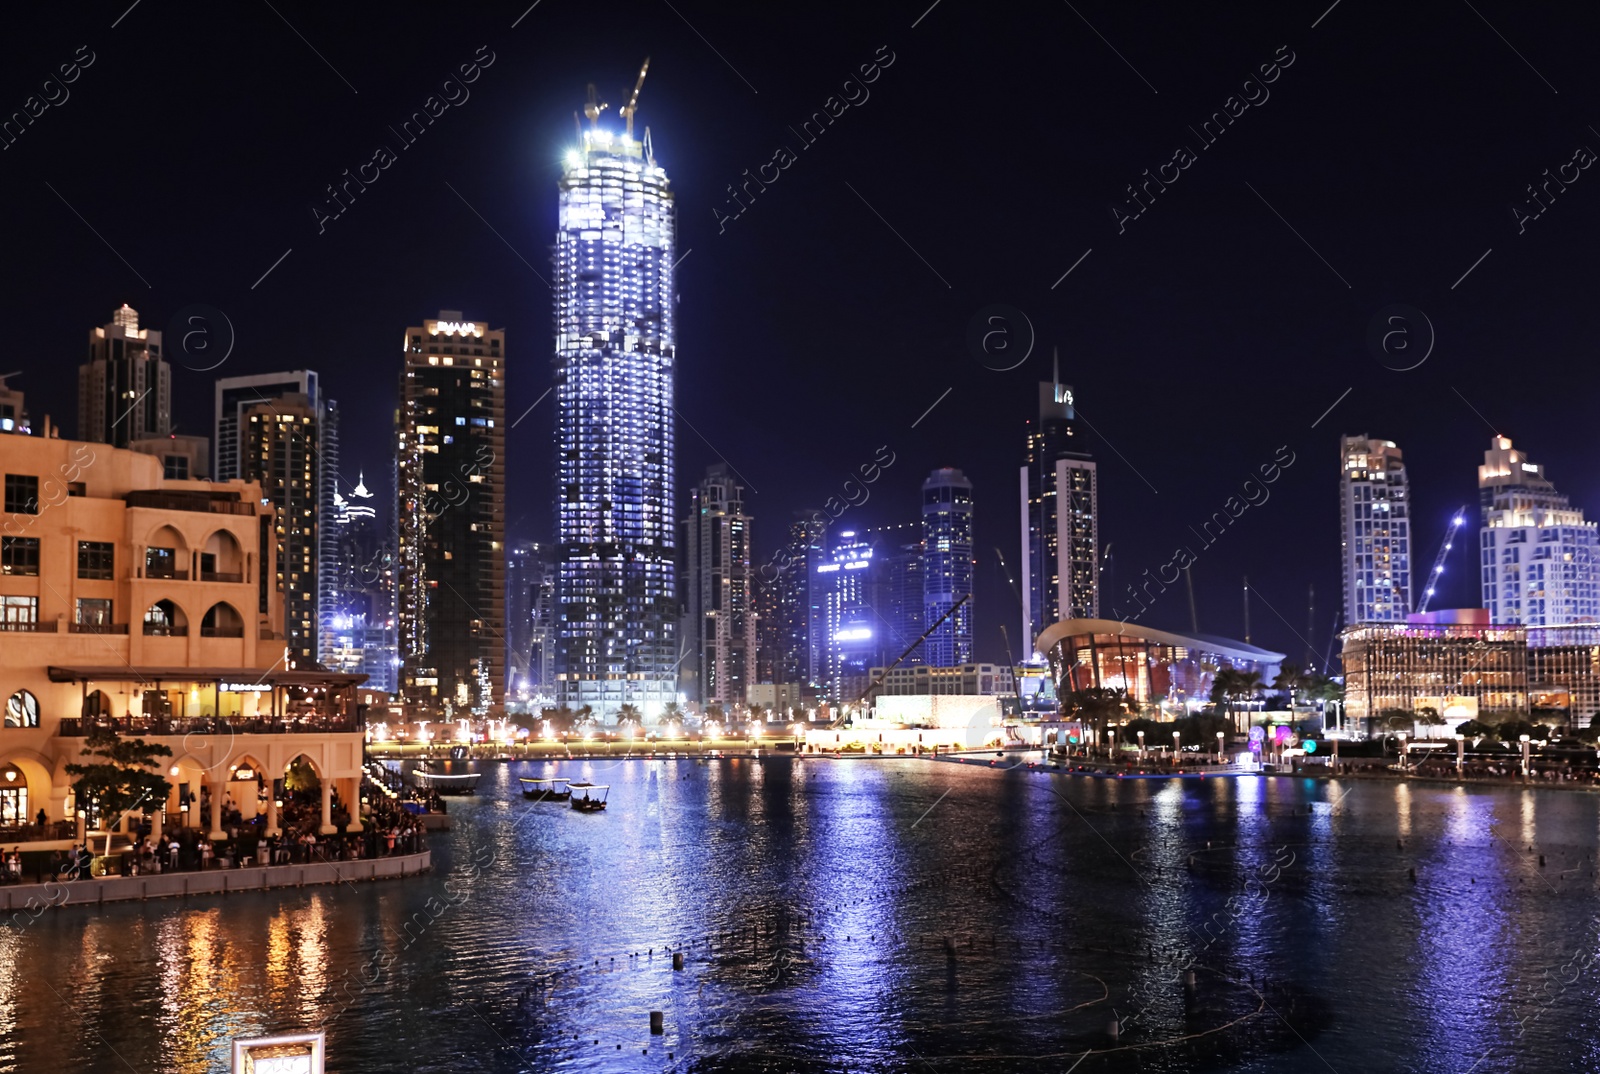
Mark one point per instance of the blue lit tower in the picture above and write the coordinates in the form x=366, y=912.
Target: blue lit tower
x=615, y=354
x=947, y=566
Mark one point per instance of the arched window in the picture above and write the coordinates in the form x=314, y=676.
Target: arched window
x=22, y=710
x=222, y=620
x=164, y=618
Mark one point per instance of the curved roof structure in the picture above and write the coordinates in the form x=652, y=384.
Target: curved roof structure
x=1233, y=650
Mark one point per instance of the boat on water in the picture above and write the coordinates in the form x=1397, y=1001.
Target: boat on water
x=446, y=782
x=589, y=797
x=551, y=789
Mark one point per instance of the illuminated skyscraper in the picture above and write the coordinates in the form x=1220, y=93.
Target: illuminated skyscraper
x=451, y=511
x=1060, y=520
x=125, y=386
x=1374, y=501
x=719, y=590
x=947, y=566
x=1539, y=559
x=614, y=369
x=843, y=620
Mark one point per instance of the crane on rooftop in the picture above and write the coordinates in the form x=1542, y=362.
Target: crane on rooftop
x=633, y=102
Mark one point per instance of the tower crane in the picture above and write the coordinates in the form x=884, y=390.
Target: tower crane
x=1438, y=561
x=633, y=102
x=594, y=107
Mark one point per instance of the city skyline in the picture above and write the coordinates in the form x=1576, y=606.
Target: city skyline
x=510, y=138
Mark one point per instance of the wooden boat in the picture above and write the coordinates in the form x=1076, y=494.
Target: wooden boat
x=589, y=797
x=553, y=789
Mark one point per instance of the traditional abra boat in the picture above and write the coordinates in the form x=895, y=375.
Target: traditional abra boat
x=552, y=789
x=589, y=797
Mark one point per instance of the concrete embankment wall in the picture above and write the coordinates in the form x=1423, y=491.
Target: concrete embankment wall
x=25, y=901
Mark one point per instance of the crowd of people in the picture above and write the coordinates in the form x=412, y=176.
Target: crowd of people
x=387, y=829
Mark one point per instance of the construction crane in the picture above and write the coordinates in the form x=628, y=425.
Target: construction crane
x=633, y=102
x=594, y=107
x=839, y=722
x=1438, y=561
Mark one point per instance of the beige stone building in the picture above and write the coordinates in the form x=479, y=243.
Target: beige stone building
x=152, y=606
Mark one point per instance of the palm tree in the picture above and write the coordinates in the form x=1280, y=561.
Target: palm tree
x=628, y=715
x=1232, y=684
x=1095, y=706
x=1291, y=680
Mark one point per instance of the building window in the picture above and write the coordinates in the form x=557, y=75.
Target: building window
x=13, y=798
x=96, y=559
x=22, y=494
x=19, y=613
x=161, y=563
x=22, y=710
x=175, y=468
x=94, y=612
x=19, y=555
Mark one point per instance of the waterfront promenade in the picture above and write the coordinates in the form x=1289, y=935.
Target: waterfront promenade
x=22, y=902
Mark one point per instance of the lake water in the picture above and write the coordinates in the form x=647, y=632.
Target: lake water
x=876, y=916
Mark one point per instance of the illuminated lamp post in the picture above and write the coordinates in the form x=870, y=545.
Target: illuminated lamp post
x=1219, y=747
x=1461, y=755
x=1113, y=747
x=1405, y=751
x=1524, y=740
x=1177, y=745
x=1141, y=747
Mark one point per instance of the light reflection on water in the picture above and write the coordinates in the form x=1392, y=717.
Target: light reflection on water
x=864, y=915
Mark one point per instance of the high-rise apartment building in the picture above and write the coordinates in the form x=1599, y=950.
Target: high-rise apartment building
x=451, y=509
x=616, y=353
x=125, y=385
x=897, y=592
x=788, y=576
x=947, y=566
x=359, y=619
x=1375, y=516
x=13, y=409
x=1539, y=560
x=719, y=589
x=1060, y=519
x=843, y=621
x=233, y=394
x=281, y=447
x=530, y=620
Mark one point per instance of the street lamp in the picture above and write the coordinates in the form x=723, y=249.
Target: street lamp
x=1524, y=740
x=1461, y=754
x=1141, y=747
x=1404, y=753
x=1113, y=733
x=1177, y=745
x=1219, y=747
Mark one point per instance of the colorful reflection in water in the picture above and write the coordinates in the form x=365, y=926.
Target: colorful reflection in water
x=874, y=916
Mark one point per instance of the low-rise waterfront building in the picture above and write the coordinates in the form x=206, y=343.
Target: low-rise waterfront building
x=150, y=606
x=967, y=679
x=1153, y=666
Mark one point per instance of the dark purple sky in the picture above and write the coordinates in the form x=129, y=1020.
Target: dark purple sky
x=817, y=326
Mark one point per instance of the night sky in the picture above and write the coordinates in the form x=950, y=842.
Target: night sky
x=977, y=167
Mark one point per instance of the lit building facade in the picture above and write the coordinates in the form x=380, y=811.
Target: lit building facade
x=719, y=590
x=359, y=621
x=1375, y=517
x=530, y=621
x=1407, y=665
x=897, y=595
x=13, y=410
x=1060, y=520
x=137, y=603
x=1539, y=559
x=966, y=679
x=284, y=445
x=843, y=618
x=1153, y=666
x=615, y=362
x=798, y=656
x=125, y=385
x=947, y=566
x=450, y=502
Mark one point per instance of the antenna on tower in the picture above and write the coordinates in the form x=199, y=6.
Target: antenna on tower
x=1055, y=375
x=649, y=150
x=633, y=102
x=1247, y=609
x=594, y=107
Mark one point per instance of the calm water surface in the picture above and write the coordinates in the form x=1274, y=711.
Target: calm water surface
x=876, y=916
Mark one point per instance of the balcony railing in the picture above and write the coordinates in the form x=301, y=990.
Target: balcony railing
x=222, y=632
x=97, y=628
x=35, y=833
x=30, y=626
x=75, y=727
x=165, y=630
x=170, y=500
x=221, y=576
x=171, y=573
